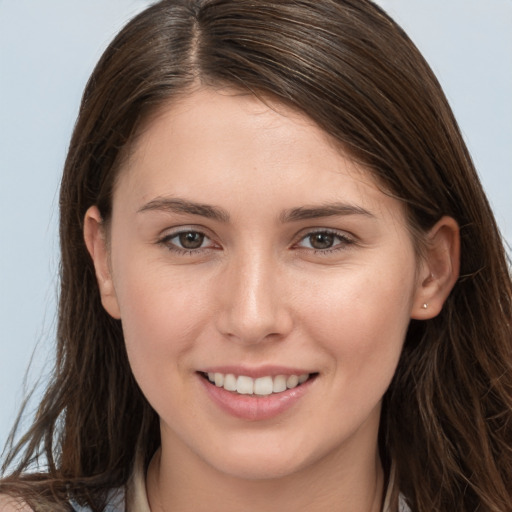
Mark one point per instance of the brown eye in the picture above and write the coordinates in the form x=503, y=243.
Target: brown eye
x=188, y=242
x=191, y=239
x=321, y=240
x=325, y=241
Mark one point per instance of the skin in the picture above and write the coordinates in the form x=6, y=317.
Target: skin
x=331, y=293
x=9, y=504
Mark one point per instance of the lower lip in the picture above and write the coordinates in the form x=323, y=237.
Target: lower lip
x=254, y=407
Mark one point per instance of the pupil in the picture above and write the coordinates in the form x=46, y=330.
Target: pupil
x=321, y=240
x=191, y=240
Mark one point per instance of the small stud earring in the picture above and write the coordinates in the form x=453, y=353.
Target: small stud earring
x=425, y=306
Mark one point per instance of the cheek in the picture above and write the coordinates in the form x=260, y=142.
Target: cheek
x=361, y=317
x=162, y=315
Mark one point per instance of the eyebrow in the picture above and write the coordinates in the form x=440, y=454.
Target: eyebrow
x=174, y=205
x=327, y=210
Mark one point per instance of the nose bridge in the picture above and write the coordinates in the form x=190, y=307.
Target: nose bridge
x=254, y=304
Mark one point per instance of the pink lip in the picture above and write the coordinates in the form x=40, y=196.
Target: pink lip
x=255, y=408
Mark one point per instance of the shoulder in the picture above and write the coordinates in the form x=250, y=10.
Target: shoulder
x=10, y=504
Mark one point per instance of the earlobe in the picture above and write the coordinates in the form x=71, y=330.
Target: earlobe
x=439, y=269
x=95, y=240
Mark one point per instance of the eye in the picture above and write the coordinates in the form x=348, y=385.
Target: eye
x=188, y=240
x=325, y=241
x=321, y=240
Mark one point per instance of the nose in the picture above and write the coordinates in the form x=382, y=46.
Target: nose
x=253, y=300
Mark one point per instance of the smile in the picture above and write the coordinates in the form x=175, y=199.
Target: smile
x=261, y=386
x=268, y=393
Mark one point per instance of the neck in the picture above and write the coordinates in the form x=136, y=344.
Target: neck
x=348, y=485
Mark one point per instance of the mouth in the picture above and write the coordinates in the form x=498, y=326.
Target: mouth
x=257, y=387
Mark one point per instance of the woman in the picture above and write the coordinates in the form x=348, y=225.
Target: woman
x=282, y=285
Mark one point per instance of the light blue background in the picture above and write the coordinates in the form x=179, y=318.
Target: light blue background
x=47, y=51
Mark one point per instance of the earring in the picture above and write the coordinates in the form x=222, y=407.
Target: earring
x=425, y=306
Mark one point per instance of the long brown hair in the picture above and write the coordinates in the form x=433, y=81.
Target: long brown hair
x=447, y=416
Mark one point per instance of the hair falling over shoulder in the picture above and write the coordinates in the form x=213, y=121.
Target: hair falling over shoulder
x=447, y=416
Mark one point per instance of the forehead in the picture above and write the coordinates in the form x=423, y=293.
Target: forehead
x=211, y=142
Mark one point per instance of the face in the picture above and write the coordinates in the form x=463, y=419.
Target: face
x=264, y=282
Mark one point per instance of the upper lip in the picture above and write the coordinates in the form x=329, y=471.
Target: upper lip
x=255, y=372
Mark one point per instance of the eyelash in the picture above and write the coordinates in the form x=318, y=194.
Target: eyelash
x=182, y=251
x=343, y=242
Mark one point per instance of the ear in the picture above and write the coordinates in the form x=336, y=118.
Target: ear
x=95, y=240
x=439, y=269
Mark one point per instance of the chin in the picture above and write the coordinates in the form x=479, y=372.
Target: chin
x=260, y=461
x=257, y=470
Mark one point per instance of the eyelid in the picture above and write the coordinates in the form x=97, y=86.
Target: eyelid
x=184, y=228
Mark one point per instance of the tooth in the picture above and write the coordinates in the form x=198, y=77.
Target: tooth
x=303, y=378
x=279, y=384
x=230, y=382
x=245, y=385
x=263, y=386
x=292, y=381
x=219, y=379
